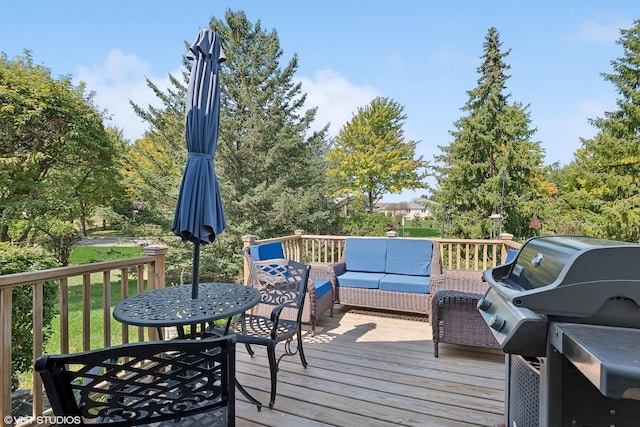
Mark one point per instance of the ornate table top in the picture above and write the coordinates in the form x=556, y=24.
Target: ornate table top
x=173, y=306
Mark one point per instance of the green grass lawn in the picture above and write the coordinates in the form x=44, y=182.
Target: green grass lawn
x=83, y=255
x=424, y=231
x=88, y=254
x=96, y=314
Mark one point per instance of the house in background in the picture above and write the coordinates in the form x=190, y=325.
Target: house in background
x=416, y=208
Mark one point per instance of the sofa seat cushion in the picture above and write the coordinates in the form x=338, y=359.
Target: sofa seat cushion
x=323, y=286
x=356, y=279
x=409, y=256
x=365, y=254
x=404, y=283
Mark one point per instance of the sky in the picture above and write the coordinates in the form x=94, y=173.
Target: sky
x=423, y=54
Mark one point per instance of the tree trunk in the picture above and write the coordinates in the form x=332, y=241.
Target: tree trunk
x=83, y=220
x=4, y=233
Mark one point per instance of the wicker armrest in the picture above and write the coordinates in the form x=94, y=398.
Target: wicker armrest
x=456, y=320
x=326, y=270
x=459, y=280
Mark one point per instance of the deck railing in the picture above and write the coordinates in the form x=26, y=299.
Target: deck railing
x=150, y=274
x=455, y=254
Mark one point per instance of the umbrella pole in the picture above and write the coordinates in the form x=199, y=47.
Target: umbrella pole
x=196, y=270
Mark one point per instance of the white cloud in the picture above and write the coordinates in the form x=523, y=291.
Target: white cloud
x=337, y=99
x=591, y=31
x=119, y=79
x=122, y=77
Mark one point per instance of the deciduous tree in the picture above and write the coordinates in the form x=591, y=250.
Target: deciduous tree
x=371, y=157
x=53, y=145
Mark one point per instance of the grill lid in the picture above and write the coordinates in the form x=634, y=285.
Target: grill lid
x=569, y=275
x=541, y=260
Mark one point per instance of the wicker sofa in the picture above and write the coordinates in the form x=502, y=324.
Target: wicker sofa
x=390, y=274
x=419, y=285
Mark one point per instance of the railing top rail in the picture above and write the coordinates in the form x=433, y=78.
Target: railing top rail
x=474, y=241
x=509, y=243
x=15, y=279
x=318, y=236
x=278, y=239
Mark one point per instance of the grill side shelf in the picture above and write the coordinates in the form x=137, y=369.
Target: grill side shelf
x=608, y=356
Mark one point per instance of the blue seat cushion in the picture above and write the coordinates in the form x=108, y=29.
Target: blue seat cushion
x=357, y=279
x=409, y=256
x=323, y=286
x=404, y=283
x=264, y=251
x=365, y=255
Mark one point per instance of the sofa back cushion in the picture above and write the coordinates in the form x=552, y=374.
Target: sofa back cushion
x=265, y=251
x=366, y=255
x=409, y=256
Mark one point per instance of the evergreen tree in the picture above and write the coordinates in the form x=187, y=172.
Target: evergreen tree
x=370, y=156
x=271, y=174
x=153, y=165
x=492, y=166
x=603, y=196
x=270, y=171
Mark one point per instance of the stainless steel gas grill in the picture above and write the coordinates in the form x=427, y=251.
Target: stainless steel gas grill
x=566, y=311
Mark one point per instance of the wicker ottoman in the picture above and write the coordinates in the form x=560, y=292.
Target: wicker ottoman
x=456, y=320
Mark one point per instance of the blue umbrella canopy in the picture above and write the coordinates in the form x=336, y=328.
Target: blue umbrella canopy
x=199, y=216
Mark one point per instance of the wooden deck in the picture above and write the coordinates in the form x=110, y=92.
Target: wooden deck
x=372, y=370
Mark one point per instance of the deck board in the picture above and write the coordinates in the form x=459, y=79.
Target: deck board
x=371, y=369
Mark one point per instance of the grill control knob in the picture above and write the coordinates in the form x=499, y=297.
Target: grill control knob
x=484, y=304
x=497, y=323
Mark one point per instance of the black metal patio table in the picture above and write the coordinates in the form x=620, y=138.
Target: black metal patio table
x=173, y=306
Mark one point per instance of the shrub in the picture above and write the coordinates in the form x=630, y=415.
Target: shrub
x=16, y=259
x=60, y=238
x=364, y=224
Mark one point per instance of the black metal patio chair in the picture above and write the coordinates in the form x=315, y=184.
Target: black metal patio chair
x=277, y=318
x=175, y=382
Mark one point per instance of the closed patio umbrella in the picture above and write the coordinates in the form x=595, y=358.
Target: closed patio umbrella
x=199, y=216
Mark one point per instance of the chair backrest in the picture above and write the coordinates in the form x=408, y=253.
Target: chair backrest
x=144, y=383
x=280, y=282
